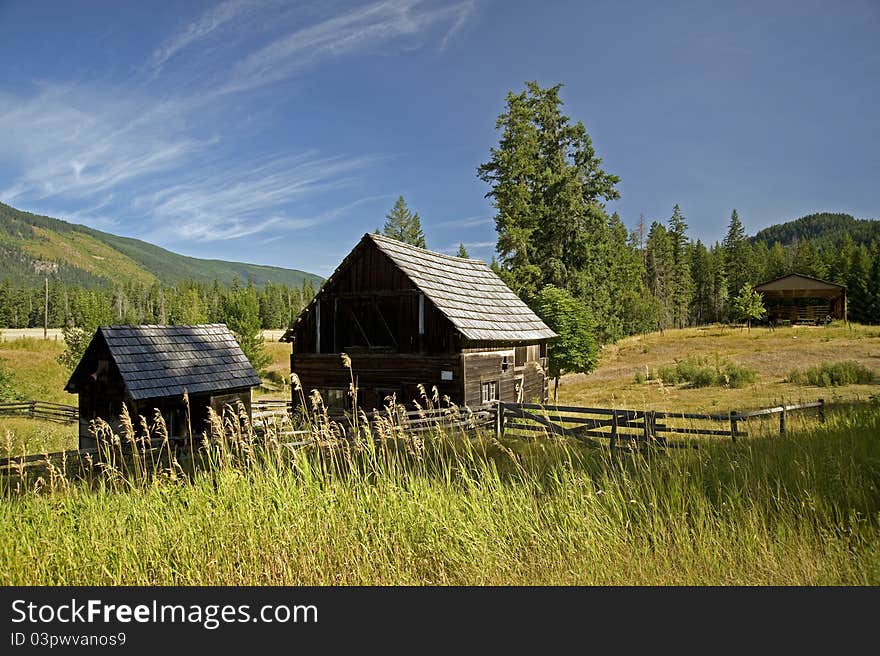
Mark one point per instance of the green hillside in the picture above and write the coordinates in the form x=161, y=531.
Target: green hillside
x=823, y=227
x=84, y=256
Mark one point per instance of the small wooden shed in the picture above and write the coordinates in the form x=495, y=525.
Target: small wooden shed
x=149, y=368
x=796, y=298
x=406, y=317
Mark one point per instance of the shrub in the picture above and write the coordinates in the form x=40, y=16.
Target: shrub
x=699, y=372
x=737, y=376
x=832, y=374
x=7, y=387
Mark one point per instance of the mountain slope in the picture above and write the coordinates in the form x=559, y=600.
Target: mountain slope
x=825, y=226
x=85, y=256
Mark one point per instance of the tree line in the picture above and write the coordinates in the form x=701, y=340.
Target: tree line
x=187, y=302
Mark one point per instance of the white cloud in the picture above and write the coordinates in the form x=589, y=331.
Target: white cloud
x=198, y=30
x=360, y=30
x=467, y=222
x=233, y=203
x=78, y=143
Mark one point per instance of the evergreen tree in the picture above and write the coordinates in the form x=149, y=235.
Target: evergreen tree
x=857, y=284
x=660, y=264
x=241, y=311
x=808, y=260
x=720, y=296
x=681, y=280
x=404, y=225
x=703, y=279
x=462, y=251
x=872, y=304
x=841, y=261
x=738, y=265
x=547, y=186
x=778, y=263
x=91, y=310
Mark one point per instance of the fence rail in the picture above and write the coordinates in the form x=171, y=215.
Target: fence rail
x=640, y=426
x=65, y=414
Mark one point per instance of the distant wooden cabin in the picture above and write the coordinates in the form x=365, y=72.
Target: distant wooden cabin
x=150, y=367
x=408, y=316
x=797, y=298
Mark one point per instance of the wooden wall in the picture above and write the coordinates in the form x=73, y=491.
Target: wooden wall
x=487, y=366
x=348, y=309
x=379, y=374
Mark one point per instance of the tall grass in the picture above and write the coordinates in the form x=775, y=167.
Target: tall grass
x=832, y=374
x=700, y=371
x=369, y=503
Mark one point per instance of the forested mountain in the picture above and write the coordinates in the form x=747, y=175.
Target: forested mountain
x=824, y=228
x=86, y=257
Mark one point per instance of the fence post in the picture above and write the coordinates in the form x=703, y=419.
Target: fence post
x=613, y=443
x=822, y=410
x=33, y=409
x=499, y=420
x=782, y=421
x=733, y=420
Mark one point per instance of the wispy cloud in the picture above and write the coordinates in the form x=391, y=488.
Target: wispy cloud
x=72, y=142
x=369, y=27
x=468, y=222
x=235, y=203
x=146, y=153
x=204, y=26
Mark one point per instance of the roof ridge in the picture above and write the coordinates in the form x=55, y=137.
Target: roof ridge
x=424, y=250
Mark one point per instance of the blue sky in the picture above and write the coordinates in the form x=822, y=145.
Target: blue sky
x=280, y=132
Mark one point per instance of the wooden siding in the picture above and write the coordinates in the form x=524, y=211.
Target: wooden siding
x=378, y=374
x=371, y=297
x=486, y=366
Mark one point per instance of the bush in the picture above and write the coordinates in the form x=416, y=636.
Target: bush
x=7, y=387
x=699, y=372
x=737, y=376
x=833, y=374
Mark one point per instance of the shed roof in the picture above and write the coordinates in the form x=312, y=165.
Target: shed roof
x=798, y=281
x=466, y=291
x=160, y=361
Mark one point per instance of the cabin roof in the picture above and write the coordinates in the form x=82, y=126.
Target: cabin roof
x=465, y=291
x=798, y=281
x=160, y=361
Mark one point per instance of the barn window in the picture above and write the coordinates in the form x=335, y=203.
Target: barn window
x=520, y=355
x=505, y=362
x=336, y=399
x=490, y=391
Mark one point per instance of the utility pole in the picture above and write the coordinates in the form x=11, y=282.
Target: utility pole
x=46, y=311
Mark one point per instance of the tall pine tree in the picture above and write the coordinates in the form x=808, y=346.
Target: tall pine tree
x=404, y=225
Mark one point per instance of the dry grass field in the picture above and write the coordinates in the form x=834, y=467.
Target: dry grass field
x=772, y=354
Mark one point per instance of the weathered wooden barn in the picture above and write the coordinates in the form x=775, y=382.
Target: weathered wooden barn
x=408, y=316
x=796, y=298
x=150, y=367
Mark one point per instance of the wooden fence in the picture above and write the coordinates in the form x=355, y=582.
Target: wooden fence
x=639, y=426
x=64, y=414
x=634, y=427
x=266, y=412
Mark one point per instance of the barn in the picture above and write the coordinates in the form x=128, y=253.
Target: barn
x=151, y=367
x=407, y=317
x=796, y=298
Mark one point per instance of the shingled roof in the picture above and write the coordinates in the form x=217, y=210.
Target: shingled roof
x=466, y=291
x=159, y=361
